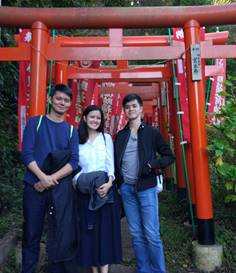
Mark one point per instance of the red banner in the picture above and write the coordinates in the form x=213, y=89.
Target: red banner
x=120, y=115
x=23, y=89
x=75, y=112
x=170, y=106
x=180, y=68
x=154, y=116
x=216, y=100
x=89, y=87
x=113, y=111
x=85, y=92
x=107, y=104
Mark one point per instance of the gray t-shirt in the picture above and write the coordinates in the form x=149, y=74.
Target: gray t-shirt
x=130, y=162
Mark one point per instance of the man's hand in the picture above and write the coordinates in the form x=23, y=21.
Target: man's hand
x=48, y=181
x=39, y=187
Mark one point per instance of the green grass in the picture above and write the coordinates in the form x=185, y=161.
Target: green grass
x=177, y=237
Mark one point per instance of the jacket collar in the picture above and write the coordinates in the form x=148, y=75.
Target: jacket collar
x=142, y=125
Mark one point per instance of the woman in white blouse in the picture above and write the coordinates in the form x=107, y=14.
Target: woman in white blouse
x=101, y=244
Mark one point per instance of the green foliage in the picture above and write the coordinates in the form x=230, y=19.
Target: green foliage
x=222, y=142
x=192, y=2
x=11, y=169
x=49, y=3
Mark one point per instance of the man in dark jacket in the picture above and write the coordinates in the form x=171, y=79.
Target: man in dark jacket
x=136, y=148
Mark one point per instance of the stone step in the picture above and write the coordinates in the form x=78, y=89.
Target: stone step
x=7, y=243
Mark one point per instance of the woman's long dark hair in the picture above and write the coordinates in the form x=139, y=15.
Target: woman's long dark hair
x=83, y=128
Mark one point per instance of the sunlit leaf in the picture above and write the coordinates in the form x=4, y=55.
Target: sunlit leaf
x=229, y=185
x=230, y=198
x=219, y=161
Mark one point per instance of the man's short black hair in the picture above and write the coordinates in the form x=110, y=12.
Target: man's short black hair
x=131, y=97
x=61, y=88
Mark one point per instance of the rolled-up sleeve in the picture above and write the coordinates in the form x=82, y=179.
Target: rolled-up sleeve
x=74, y=146
x=27, y=154
x=109, y=156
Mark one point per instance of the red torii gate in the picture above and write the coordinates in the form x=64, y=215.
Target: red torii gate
x=142, y=75
x=40, y=51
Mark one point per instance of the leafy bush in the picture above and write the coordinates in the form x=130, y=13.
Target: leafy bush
x=11, y=168
x=222, y=145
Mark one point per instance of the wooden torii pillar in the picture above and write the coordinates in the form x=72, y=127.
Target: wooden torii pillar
x=199, y=139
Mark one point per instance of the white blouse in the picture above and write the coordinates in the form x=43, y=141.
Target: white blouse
x=97, y=155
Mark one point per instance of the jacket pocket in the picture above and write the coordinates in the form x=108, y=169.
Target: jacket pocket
x=146, y=170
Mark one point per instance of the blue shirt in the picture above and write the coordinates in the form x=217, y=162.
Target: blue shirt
x=49, y=137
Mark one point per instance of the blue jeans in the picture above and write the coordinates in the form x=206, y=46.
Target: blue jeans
x=141, y=209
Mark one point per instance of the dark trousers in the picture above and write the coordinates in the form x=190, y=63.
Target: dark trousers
x=64, y=267
x=35, y=207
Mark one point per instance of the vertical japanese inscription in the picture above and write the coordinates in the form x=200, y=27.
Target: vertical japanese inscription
x=196, y=62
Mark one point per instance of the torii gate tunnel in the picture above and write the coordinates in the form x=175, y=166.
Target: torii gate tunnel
x=40, y=51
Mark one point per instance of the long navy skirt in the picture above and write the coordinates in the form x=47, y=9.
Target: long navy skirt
x=100, y=245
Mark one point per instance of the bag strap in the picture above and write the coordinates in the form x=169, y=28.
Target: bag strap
x=39, y=122
x=104, y=138
x=71, y=131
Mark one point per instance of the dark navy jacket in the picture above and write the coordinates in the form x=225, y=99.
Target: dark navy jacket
x=150, y=145
x=62, y=243
x=88, y=183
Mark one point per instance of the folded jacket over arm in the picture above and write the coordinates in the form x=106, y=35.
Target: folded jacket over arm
x=88, y=183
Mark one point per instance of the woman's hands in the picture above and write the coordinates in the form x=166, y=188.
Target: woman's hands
x=103, y=190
